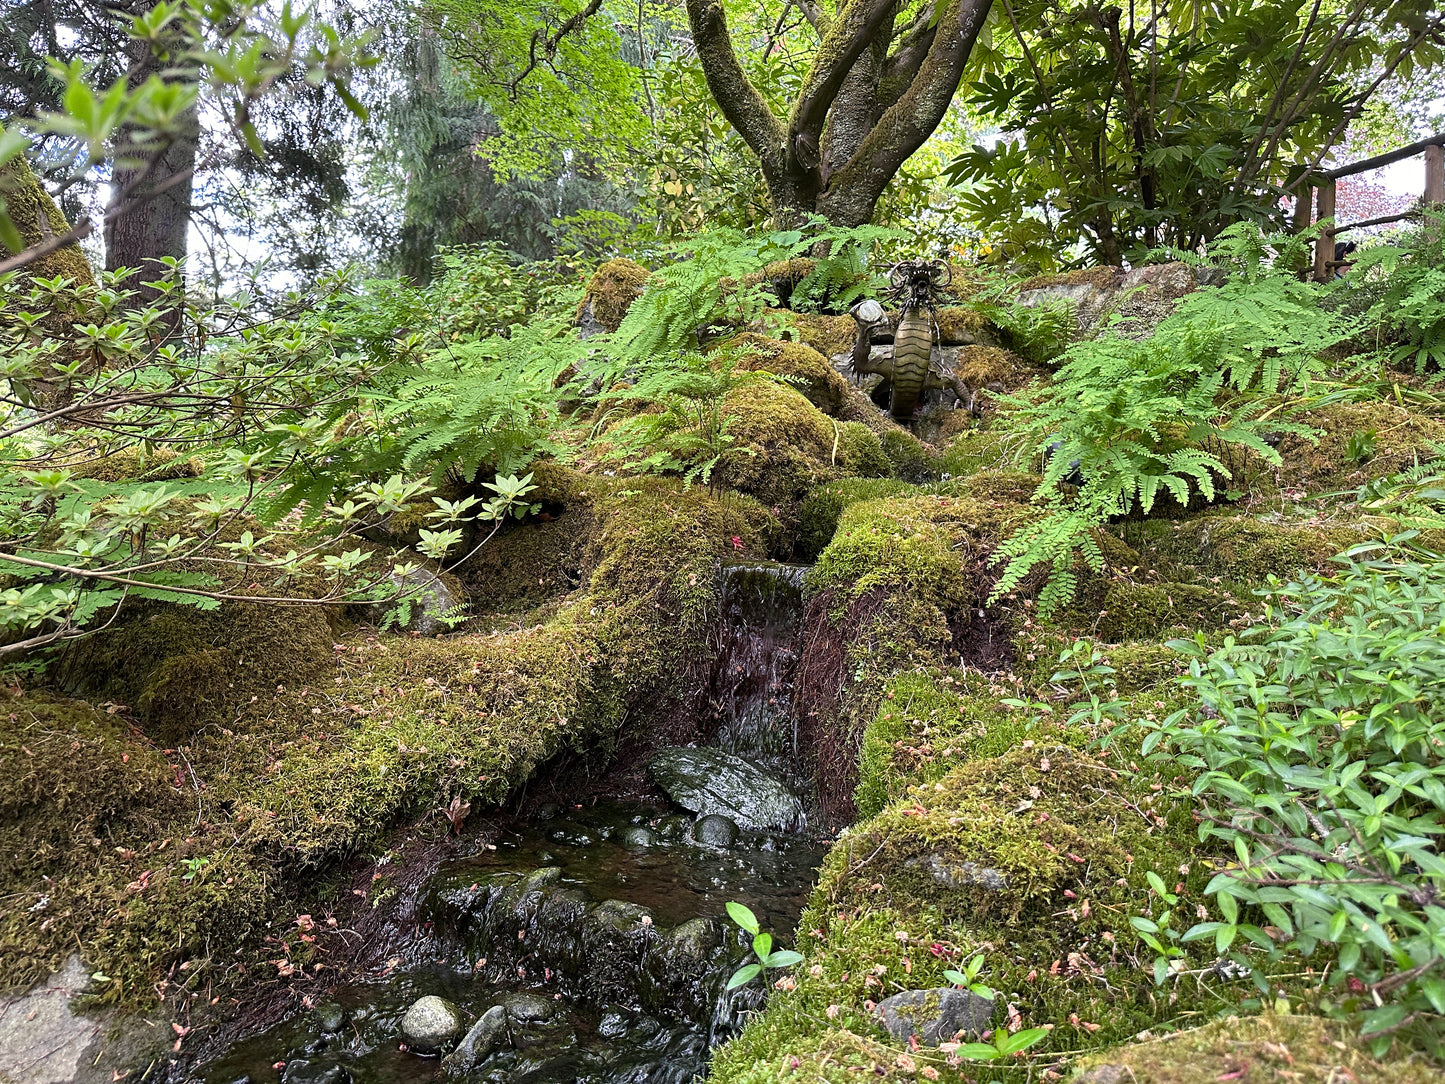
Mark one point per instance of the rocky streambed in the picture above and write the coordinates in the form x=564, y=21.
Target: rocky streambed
x=590, y=943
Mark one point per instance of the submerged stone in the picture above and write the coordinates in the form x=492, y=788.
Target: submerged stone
x=638, y=837
x=431, y=1025
x=959, y=874
x=488, y=1033
x=934, y=1016
x=528, y=1008
x=715, y=830
x=331, y=1017
x=709, y=781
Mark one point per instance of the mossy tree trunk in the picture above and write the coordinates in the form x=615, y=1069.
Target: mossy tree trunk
x=38, y=221
x=875, y=93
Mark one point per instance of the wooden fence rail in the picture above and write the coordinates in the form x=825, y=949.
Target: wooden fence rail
x=1322, y=195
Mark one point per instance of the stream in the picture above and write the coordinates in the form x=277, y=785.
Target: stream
x=597, y=935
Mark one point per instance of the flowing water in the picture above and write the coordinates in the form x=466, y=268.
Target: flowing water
x=600, y=930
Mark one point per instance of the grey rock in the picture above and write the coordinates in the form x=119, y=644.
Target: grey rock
x=42, y=1041
x=548, y=811
x=331, y=1017
x=431, y=1026
x=433, y=596
x=708, y=781
x=960, y=874
x=636, y=836
x=528, y=1008
x=934, y=1016
x=715, y=830
x=486, y=1035
x=612, y=1025
x=1106, y=1074
x=673, y=827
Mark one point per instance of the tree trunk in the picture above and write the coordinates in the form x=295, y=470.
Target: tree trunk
x=149, y=215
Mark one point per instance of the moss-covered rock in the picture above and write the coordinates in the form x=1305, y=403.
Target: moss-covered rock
x=614, y=286
x=1267, y=1047
x=246, y=814
x=784, y=444
x=1358, y=442
x=961, y=325
x=1134, y=611
x=178, y=668
x=819, y=513
x=1035, y=859
x=829, y=335
x=805, y=369
x=1239, y=549
x=161, y=465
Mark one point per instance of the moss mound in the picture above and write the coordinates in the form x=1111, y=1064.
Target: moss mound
x=784, y=444
x=162, y=465
x=1239, y=549
x=29, y=205
x=959, y=324
x=829, y=335
x=614, y=286
x=245, y=816
x=1101, y=278
x=1390, y=438
x=1274, y=1048
x=806, y=369
x=1035, y=859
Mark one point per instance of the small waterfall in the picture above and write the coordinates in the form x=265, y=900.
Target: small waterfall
x=755, y=653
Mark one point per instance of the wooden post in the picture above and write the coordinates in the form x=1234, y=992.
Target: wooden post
x=1325, y=246
x=1303, y=208
x=1435, y=176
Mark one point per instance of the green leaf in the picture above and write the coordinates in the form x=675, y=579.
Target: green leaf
x=743, y=917
x=744, y=975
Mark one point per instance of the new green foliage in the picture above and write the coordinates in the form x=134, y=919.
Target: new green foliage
x=1318, y=751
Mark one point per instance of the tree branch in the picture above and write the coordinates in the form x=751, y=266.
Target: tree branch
x=740, y=101
x=907, y=124
x=852, y=32
x=900, y=69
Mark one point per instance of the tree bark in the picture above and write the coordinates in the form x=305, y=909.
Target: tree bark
x=861, y=112
x=156, y=180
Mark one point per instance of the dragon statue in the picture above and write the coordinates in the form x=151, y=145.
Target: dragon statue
x=913, y=287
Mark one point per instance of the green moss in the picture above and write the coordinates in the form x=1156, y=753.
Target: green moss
x=1035, y=859
x=1144, y=666
x=614, y=286
x=927, y=723
x=958, y=324
x=246, y=815
x=819, y=513
x=933, y=548
x=161, y=465
x=828, y=335
x=1239, y=549
x=985, y=449
x=860, y=451
x=806, y=369
x=908, y=457
x=784, y=444
x=28, y=205
x=1401, y=438
x=179, y=668
x=1135, y=611
x=1274, y=1047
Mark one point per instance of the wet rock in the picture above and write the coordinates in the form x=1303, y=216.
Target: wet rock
x=959, y=874
x=303, y=1071
x=488, y=1033
x=571, y=835
x=548, y=811
x=934, y=1016
x=528, y=1008
x=331, y=1017
x=696, y=937
x=613, y=1025
x=638, y=837
x=715, y=830
x=431, y=1026
x=673, y=827
x=708, y=781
